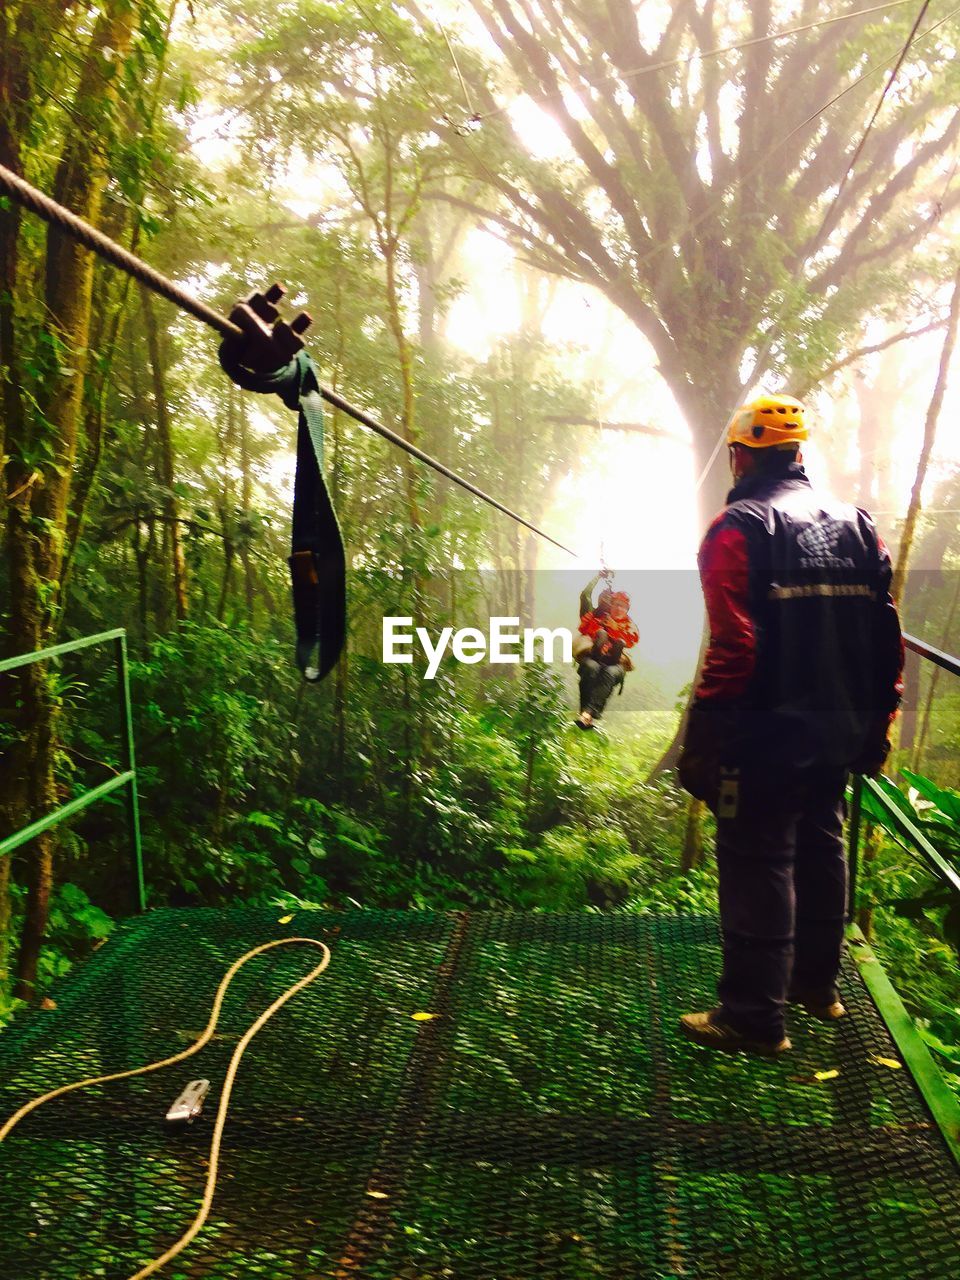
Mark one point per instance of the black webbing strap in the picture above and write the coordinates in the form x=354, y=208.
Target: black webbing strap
x=317, y=559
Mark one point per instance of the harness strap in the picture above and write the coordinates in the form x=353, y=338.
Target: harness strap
x=317, y=559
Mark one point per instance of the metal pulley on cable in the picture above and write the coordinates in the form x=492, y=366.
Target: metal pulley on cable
x=318, y=570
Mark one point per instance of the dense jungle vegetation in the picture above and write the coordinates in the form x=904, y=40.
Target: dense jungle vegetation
x=370, y=158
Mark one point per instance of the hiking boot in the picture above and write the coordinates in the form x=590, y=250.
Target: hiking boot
x=709, y=1030
x=826, y=1006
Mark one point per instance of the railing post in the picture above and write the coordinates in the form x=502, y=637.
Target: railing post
x=853, y=854
x=133, y=798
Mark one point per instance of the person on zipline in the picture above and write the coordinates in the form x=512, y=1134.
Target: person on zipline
x=800, y=683
x=606, y=632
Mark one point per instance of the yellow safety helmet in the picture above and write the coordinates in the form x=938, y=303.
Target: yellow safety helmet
x=766, y=422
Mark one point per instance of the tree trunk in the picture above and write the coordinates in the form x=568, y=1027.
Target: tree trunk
x=141, y=557
x=15, y=107
x=929, y=438
x=94, y=428
x=425, y=270
x=909, y=707
x=405, y=359
x=921, y=740
x=30, y=33
x=528, y=603
x=389, y=246
x=110, y=325
x=246, y=498
x=226, y=581
x=711, y=499
x=178, y=568
x=37, y=517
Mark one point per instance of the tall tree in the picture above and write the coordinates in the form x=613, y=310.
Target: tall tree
x=41, y=446
x=361, y=111
x=908, y=533
x=694, y=186
x=172, y=534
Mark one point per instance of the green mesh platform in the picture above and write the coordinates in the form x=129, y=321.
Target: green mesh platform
x=549, y=1125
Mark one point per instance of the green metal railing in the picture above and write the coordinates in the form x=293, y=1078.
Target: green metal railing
x=126, y=778
x=906, y=829
x=937, y=1094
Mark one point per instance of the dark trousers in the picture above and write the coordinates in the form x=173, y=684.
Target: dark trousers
x=597, y=682
x=783, y=893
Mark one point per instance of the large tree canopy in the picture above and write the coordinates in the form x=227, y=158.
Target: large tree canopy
x=694, y=187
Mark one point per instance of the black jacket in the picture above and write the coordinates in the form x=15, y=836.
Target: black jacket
x=804, y=663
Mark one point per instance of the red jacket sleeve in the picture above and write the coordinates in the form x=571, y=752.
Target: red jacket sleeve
x=732, y=651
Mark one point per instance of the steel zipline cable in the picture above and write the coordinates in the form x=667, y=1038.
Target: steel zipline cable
x=57, y=215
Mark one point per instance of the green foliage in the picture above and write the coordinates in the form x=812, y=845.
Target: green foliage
x=215, y=731
x=946, y=801
x=920, y=939
x=76, y=926
x=935, y=811
x=341, y=170
x=923, y=969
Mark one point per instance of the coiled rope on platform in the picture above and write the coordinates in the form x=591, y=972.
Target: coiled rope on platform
x=210, y=1186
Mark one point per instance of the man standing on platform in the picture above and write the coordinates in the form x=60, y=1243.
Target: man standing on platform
x=800, y=683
